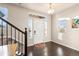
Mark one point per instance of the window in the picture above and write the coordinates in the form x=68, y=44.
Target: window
x=62, y=25
x=4, y=15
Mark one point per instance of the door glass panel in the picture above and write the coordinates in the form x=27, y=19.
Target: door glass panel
x=45, y=28
x=30, y=28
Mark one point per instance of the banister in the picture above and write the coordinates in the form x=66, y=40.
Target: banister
x=11, y=25
x=16, y=28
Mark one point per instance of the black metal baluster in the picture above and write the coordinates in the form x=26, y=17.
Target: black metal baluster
x=0, y=35
x=11, y=34
x=6, y=33
x=18, y=42
x=22, y=41
x=2, y=32
x=25, y=42
x=15, y=37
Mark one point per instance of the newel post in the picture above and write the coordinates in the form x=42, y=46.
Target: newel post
x=25, y=42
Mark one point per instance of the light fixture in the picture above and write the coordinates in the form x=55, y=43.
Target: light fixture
x=51, y=10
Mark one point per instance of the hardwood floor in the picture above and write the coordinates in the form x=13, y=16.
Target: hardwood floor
x=51, y=49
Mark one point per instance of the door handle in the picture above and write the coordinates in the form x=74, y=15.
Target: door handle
x=34, y=32
x=29, y=30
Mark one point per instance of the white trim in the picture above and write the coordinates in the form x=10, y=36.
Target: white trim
x=66, y=45
x=34, y=44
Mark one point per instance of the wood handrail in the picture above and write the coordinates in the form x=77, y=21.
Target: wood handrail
x=11, y=25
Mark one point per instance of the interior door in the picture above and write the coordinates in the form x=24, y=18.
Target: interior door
x=38, y=30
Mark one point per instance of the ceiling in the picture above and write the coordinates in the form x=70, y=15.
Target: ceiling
x=44, y=7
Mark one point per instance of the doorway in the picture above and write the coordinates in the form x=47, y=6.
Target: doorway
x=37, y=30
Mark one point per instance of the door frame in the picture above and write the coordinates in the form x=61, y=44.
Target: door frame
x=33, y=30
x=31, y=41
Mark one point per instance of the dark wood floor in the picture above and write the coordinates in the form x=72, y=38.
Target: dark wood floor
x=51, y=49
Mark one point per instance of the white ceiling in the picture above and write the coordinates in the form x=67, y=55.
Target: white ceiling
x=44, y=7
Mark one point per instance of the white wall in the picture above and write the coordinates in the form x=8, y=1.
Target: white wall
x=71, y=36
x=19, y=16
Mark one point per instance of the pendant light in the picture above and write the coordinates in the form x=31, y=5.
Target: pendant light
x=51, y=10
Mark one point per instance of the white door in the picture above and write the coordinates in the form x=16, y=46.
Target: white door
x=38, y=30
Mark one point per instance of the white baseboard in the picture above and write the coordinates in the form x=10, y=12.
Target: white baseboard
x=36, y=43
x=66, y=45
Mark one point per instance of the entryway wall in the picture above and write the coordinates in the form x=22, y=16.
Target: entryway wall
x=71, y=37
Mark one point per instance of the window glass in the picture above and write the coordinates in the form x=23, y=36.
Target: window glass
x=4, y=15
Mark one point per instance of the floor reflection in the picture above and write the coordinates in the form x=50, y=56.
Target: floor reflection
x=45, y=51
x=51, y=49
x=60, y=51
x=30, y=54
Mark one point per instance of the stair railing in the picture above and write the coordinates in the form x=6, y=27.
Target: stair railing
x=10, y=34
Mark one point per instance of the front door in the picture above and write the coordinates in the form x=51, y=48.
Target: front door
x=38, y=30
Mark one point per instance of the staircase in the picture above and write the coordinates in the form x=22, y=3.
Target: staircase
x=13, y=41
